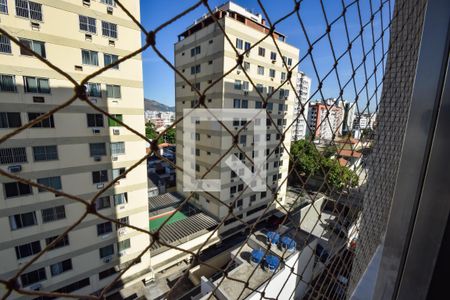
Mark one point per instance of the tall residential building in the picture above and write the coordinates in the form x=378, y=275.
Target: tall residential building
x=325, y=119
x=349, y=116
x=203, y=55
x=76, y=150
x=365, y=120
x=299, y=128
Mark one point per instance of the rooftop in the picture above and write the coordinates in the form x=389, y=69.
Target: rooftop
x=349, y=153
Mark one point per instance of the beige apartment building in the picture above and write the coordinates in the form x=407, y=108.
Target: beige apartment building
x=77, y=150
x=203, y=55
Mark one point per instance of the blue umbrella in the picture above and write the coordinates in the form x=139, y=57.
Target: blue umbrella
x=273, y=237
x=257, y=255
x=288, y=243
x=272, y=262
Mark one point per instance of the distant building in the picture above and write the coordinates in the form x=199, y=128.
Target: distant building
x=349, y=116
x=363, y=121
x=325, y=119
x=299, y=127
x=161, y=119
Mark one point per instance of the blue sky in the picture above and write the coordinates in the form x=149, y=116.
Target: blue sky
x=159, y=78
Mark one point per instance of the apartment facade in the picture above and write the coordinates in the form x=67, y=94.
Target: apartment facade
x=300, y=126
x=203, y=54
x=325, y=119
x=77, y=150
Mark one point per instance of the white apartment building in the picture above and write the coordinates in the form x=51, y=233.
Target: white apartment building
x=160, y=118
x=365, y=120
x=77, y=150
x=299, y=128
x=203, y=55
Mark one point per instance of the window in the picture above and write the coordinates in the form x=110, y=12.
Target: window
x=283, y=76
x=109, y=59
x=36, y=46
x=29, y=9
x=108, y=2
x=74, y=286
x=240, y=187
x=102, y=203
x=236, y=103
x=45, y=153
x=270, y=90
x=260, y=70
x=5, y=42
x=52, y=182
x=247, y=46
x=260, y=88
x=120, y=199
x=261, y=51
x=4, y=6
x=245, y=85
x=104, y=228
x=239, y=44
x=123, y=245
x=7, y=83
x=242, y=139
x=36, y=85
x=268, y=137
x=124, y=220
x=272, y=73
x=99, y=176
x=88, y=24
x=106, y=273
x=273, y=55
x=195, y=69
x=22, y=220
x=258, y=104
x=109, y=29
x=33, y=277
x=117, y=172
x=106, y=251
x=117, y=148
x=94, y=120
x=29, y=249
x=232, y=190
x=61, y=243
x=237, y=85
x=97, y=149
x=53, y=214
x=94, y=89
x=114, y=123
x=244, y=104
x=89, y=57
x=246, y=66
x=16, y=189
x=113, y=91
x=13, y=155
x=61, y=267
x=195, y=51
x=46, y=123
x=289, y=61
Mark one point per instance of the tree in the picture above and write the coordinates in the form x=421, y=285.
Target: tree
x=151, y=133
x=308, y=161
x=150, y=130
x=306, y=157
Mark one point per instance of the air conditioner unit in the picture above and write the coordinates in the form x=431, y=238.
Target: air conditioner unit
x=109, y=10
x=95, y=130
x=238, y=71
x=274, y=61
x=122, y=253
x=116, y=131
x=122, y=231
x=97, y=158
x=285, y=97
x=114, y=158
x=15, y=169
x=107, y=259
x=100, y=185
x=36, y=287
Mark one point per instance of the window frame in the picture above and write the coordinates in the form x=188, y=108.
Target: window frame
x=90, y=54
x=52, y=182
x=50, y=121
x=48, y=154
x=30, y=249
x=38, y=83
x=99, y=176
x=53, y=214
x=89, y=25
x=5, y=44
x=95, y=120
x=108, y=31
x=14, y=155
x=3, y=85
x=112, y=58
x=19, y=189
